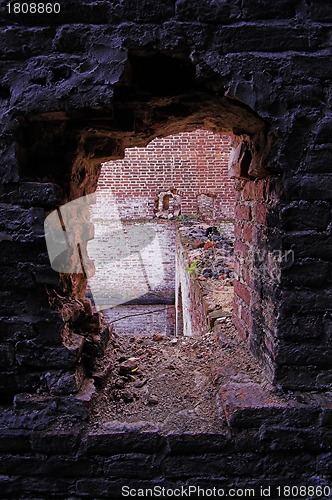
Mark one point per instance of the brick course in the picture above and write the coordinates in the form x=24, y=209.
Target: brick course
x=192, y=163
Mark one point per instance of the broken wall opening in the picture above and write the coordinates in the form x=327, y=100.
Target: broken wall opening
x=159, y=183
x=88, y=139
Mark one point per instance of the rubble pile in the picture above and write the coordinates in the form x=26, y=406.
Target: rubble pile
x=211, y=248
x=172, y=381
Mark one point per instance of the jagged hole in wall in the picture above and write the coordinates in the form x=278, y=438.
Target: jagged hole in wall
x=163, y=246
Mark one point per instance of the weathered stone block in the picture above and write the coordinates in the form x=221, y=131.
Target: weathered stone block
x=44, y=275
x=206, y=11
x=308, y=187
x=34, y=402
x=51, y=406
x=22, y=222
x=15, y=441
x=12, y=382
x=26, y=465
x=304, y=216
x=189, y=443
x=326, y=417
x=146, y=10
x=307, y=273
x=65, y=382
x=211, y=465
x=289, y=465
x=319, y=64
x=72, y=407
x=311, y=244
x=75, y=39
x=247, y=405
x=244, y=440
x=63, y=466
x=320, y=11
x=317, y=160
x=130, y=465
x=56, y=442
x=19, y=42
x=263, y=9
x=43, y=330
x=309, y=377
x=291, y=353
x=10, y=485
x=324, y=379
x=118, y=438
x=28, y=354
x=305, y=94
x=44, y=194
x=18, y=277
x=270, y=38
x=324, y=131
x=281, y=437
x=305, y=300
x=304, y=327
x=12, y=252
x=47, y=486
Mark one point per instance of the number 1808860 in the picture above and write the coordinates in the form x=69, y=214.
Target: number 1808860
x=33, y=8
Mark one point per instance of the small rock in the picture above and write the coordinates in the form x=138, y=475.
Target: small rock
x=121, y=359
x=152, y=401
x=140, y=383
x=210, y=244
x=199, y=356
x=198, y=244
x=174, y=341
x=128, y=366
x=157, y=337
x=127, y=397
x=207, y=273
x=119, y=384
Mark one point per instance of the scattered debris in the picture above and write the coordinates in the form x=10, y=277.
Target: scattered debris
x=210, y=250
x=176, y=383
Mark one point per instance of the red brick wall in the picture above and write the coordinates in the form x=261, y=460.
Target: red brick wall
x=191, y=163
x=255, y=267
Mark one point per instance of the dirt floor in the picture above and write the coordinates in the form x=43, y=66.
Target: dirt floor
x=173, y=382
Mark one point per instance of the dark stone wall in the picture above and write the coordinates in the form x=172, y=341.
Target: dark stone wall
x=267, y=445
x=78, y=87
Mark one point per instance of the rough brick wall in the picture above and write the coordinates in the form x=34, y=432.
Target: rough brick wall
x=145, y=277
x=193, y=164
